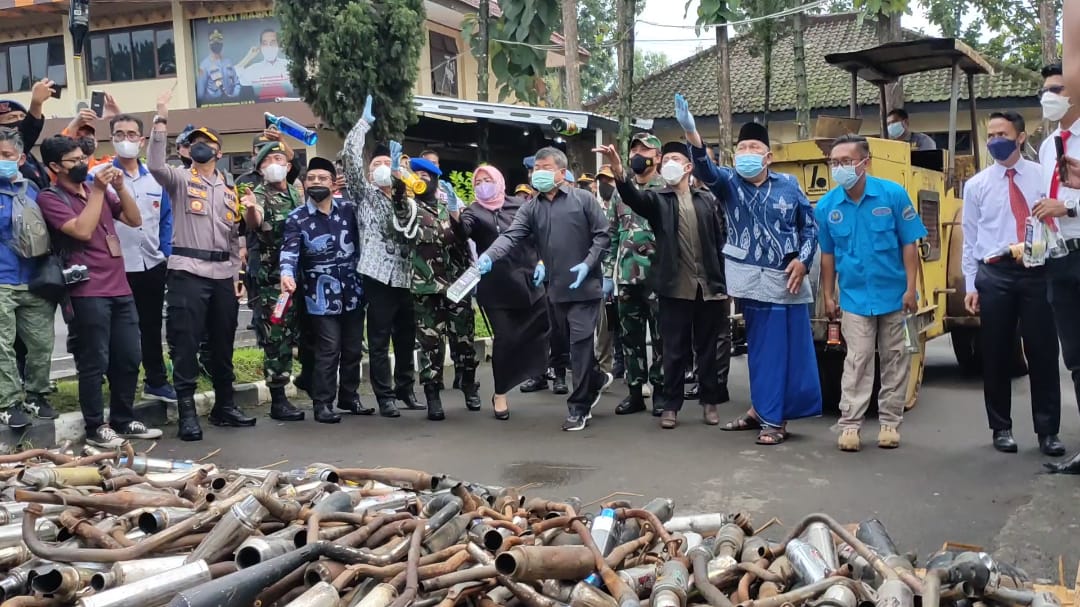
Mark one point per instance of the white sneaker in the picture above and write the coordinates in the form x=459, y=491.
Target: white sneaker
x=646, y=390
x=105, y=437
x=608, y=380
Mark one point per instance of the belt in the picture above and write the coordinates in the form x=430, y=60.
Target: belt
x=201, y=254
x=1073, y=244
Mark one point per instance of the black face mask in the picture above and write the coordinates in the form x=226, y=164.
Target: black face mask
x=318, y=193
x=186, y=161
x=606, y=190
x=215, y=47
x=12, y=125
x=202, y=153
x=78, y=173
x=640, y=164
x=87, y=145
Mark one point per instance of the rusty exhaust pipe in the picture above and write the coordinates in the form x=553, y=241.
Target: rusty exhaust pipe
x=536, y=563
x=671, y=586
x=41, y=478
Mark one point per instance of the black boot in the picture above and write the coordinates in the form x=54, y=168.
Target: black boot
x=352, y=404
x=387, y=408
x=631, y=404
x=408, y=399
x=188, y=425
x=559, y=385
x=280, y=407
x=534, y=384
x=226, y=413
x=471, y=390
x=434, y=402
x=325, y=415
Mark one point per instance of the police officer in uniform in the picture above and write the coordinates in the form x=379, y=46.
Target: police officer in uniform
x=203, y=271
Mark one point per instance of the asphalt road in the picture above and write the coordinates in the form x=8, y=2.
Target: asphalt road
x=945, y=483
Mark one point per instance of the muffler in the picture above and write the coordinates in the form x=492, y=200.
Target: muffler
x=159, y=519
x=78, y=476
x=319, y=595
x=242, y=587
x=240, y=522
x=671, y=586
x=808, y=563
x=536, y=563
x=127, y=572
x=154, y=590
x=255, y=550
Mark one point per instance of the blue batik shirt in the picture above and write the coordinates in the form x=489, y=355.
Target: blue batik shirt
x=321, y=248
x=767, y=227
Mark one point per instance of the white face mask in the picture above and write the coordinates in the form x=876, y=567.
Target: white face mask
x=127, y=149
x=672, y=172
x=275, y=173
x=1054, y=106
x=382, y=176
x=270, y=53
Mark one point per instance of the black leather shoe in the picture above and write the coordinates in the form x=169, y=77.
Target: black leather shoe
x=633, y=403
x=325, y=415
x=387, y=408
x=1051, y=445
x=534, y=384
x=1072, y=466
x=471, y=389
x=409, y=400
x=1004, y=441
x=559, y=385
x=434, y=403
x=230, y=417
x=353, y=405
x=188, y=428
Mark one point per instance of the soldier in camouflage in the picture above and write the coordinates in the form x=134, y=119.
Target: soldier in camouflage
x=441, y=258
x=633, y=246
x=268, y=206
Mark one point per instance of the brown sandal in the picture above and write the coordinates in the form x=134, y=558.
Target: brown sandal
x=771, y=436
x=742, y=423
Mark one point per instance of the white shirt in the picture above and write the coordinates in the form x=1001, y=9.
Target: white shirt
x=269, y=79
x=141, y=246
x=989, y=224
x=1070, y=226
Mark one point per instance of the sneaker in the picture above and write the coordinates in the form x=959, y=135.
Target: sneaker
x=38, y=406
x=609, y=378
x=164, y=392
x=573, y=423
x=888, y=438
x=15, y=417
x=595, y=400
x=105, y=437
x=137, y=429
x=849, y=440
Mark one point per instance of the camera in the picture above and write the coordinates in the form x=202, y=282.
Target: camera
x=76, y=274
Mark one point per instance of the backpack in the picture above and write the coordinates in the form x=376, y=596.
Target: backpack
x=29, y=232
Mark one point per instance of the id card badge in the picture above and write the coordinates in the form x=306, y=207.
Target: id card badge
x=464, y=285
x=113, y=242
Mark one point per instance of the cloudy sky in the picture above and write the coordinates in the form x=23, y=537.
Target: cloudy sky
x=679, y=43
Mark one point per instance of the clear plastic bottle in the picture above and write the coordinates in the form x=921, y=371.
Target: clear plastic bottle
x=1034, y=243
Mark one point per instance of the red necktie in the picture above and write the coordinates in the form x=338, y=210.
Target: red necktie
x=1055, y=180
x=1018, y=203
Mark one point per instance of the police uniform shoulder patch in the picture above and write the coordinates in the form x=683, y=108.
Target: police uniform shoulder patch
x=909, y=213
x=837, y=216
x=882, y=211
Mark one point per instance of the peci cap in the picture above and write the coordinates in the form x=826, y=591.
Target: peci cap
x=321, y=164
x=754, y=131
x=380, y=150
x=9, y=105
x=675, y=147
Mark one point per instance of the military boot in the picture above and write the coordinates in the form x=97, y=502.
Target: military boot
x=559, y=385
x=633, y=403
x=434, y=402
x=225, y=412
x=471, y=389
x=188, y=428
x=280, y=407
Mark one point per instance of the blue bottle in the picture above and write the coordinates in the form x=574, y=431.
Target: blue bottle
x=292, y=128
x=604, y=530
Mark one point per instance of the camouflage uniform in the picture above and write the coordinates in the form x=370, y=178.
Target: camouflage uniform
x=439, y=260
x=633, y=246
x=277, y=340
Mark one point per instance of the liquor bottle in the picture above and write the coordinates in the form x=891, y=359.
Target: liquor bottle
x=280, y=308
x=292, y=128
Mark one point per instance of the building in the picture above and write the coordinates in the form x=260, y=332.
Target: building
x=138, y=48
x=926, y=94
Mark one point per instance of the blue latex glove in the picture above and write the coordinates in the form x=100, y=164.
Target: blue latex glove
x=395, y=156
x=582, y=271
x=367, y=115
x=453, y=203
x=483, y=263
x=683, y=115
x=609, y=287
x=539, y=274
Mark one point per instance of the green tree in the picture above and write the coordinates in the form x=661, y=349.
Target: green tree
x=1023, y=33
x=347, y=46
x=712, y=12
x=763, y=36
x=647, y=63
x=518, y=44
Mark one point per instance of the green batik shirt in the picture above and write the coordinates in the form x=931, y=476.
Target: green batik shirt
x=632, y=240
x=276, y=207
x=440, y=257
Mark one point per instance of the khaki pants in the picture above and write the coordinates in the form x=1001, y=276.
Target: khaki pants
x=864, y=335
x=604, y=342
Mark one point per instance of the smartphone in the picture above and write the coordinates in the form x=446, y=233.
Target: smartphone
x=97, y=103
x=1063, y=167
x=55, y=91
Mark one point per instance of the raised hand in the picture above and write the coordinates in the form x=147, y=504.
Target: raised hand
x=395, y=155
x=683, y=115
x=367, y=116
x=611, y=156
x=42, y=91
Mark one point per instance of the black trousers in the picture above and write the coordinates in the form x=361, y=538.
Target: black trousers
x=339, y=346
x=1009, y=294
x=1064, y=275
x=148, y=287
x=692, y=331
x=104, y=340
x=198, y=306
x=559, y=338
x=390, y=315
x=578, y=320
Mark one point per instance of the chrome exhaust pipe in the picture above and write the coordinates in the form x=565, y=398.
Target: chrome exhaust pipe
x=255, y=550
x=809, y=565
x=242, y=587
x=319, y=595
x=12, y=512
x=11, y=535
x=153, y=590
x=241, y=521
x=127, y=572
x=143, y=465
x=158, y=519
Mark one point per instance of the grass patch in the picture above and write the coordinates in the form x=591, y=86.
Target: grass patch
x=247, y=365
x=481, y=326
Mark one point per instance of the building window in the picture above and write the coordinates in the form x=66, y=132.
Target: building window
x=24, y=63
x=126, y=55
x=444, y=65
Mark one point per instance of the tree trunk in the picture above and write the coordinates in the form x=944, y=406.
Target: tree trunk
x=1048, y=19
x=766, y=58
x=888, y=30
x=626, y=10
x=484, y=61
x=802, y=91
x=723, y=81
x=570, y=47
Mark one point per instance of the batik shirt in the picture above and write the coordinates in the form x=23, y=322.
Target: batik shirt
x=321, y=248
x=767, y=227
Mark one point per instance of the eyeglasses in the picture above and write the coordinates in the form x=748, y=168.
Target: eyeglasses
x=130, y=136
x=1057, y=89
x=76, y=160
x=834, y=164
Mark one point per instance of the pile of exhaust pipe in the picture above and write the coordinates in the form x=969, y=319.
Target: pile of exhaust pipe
x=116, y=529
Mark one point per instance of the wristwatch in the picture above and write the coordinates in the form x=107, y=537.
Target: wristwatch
x=160, y=119
x=1070, y=207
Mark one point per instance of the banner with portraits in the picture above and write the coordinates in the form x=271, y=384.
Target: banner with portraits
x=239, y=60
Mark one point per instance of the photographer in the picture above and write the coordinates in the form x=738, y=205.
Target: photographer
x=104, y=323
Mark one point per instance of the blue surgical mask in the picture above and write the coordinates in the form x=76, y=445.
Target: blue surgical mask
x=543, y=181
x=896, y=130
x=1001, y=148
x=846, y=176
x=749, y=166
x=9, y=170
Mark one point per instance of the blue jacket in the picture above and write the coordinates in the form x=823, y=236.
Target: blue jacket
x=14, y=270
